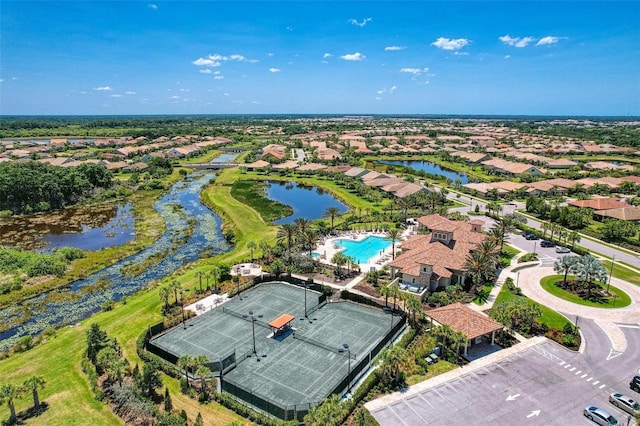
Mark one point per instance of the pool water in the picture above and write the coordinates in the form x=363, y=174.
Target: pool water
x=365, y=249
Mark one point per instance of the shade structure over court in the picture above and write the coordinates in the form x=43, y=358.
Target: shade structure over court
x=291, y=371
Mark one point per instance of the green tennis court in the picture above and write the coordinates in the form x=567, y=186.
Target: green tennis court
x=297, y=369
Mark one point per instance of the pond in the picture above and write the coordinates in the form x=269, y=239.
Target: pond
x=192, y=230
x=429, y=167
x=86, y=228
x=224, y=158
x=309, y=202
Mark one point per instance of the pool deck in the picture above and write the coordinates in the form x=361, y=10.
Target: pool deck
x=327, y=247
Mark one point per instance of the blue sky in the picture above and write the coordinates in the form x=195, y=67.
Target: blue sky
x=358, y=57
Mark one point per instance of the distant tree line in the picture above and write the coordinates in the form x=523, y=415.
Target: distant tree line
x=37, y=187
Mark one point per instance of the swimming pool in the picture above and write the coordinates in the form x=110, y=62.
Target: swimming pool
x=365, y=249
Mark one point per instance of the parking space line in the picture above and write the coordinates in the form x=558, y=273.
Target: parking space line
x=584, y=375
x=602, y=386
x=567, y=365
x=595, y=383
x=589, y=379
x=572, y=369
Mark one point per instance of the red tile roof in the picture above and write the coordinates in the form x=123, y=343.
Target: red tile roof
x=464, y=320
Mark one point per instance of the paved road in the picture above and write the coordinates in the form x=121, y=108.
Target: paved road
x=597, y=247
x=542, y=384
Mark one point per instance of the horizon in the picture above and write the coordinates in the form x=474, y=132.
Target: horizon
x=466, y=58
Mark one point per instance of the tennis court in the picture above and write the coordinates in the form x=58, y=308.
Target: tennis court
x=297, y=369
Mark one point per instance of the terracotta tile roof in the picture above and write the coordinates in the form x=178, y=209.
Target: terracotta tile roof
x=599, y=203
x=623, y=213
x=464, y=320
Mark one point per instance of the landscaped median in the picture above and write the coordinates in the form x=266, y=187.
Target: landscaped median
x=601, y=295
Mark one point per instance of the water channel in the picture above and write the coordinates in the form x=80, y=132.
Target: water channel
x=429, y=167
x=192, y=230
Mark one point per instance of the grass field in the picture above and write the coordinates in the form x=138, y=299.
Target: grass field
x=622, y=299
x=551, y=318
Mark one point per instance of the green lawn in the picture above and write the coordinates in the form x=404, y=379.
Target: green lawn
x=623, y=299
x=67, y=391
x=551, y=318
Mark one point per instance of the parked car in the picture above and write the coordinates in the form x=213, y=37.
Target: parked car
x=530, y=237
x=562, y=250
x=625, y=403
x=599, y=416
x=635, y=383
x=547, y=243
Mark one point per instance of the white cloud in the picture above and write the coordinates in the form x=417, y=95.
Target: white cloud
x=414, y=71
x=393, y=48
x=218, y=77
x=226, y=94
x=216, y=60
x=364, y=22
x=269, y=54
x=153, y=6
x=516, y=41
x=216, y=72
x=353, y=56
x=327, y=55
x=206, y=62
x=461, y=53
x=255, y=102
x=547, y=40
x=206, y=71
x=103, y=88
x=381, y=91
x=393, y=89
x=450, y=44
x=116, y=96
x=174, y=97
x=130, y=92
x=507, y=57
x=83, y=92
x=1, y=80
x=274, y=69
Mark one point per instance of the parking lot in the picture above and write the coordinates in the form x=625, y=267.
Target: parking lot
x=539, y=385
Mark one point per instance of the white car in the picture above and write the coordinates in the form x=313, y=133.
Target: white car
x=562, y=250
x=600, y=416
x=625, y=403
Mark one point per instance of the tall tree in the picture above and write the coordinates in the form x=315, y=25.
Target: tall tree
x=252, y=245
x=163, y=293
x=9, y=393
x=394, y=234
x=563, y=265
x=34, y=383
x=332, y=212
x=589, y=269
x=286, y=235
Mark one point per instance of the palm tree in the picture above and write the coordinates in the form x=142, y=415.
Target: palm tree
x=309, y=239
x=251, y=245
x=574, y=237
x=564, y=265
x=339, y=259
x=201, y=370
x=489, y=250
x=302, y=225
x=175, y=286
x=589, y=269
x=116, y=368
x=199, y=274
x=505, y=225
x=394, y=234
x=390, y=360
x=266, y=250
x=413, y=305
x=545, y=227
x=163, y=293
x=459, y=337
x=478, y=267
x=215, y=273
x=332, y=212
x=286, y=234
x=34, y=383
x=9, y=393
x=445, y=333
x=185, y=362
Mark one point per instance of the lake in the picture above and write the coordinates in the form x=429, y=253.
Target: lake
x=429, y=167
x=192, y=230
x=309, y=202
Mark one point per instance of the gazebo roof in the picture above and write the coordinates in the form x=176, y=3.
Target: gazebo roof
x=464, y=320
x=281, y=321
